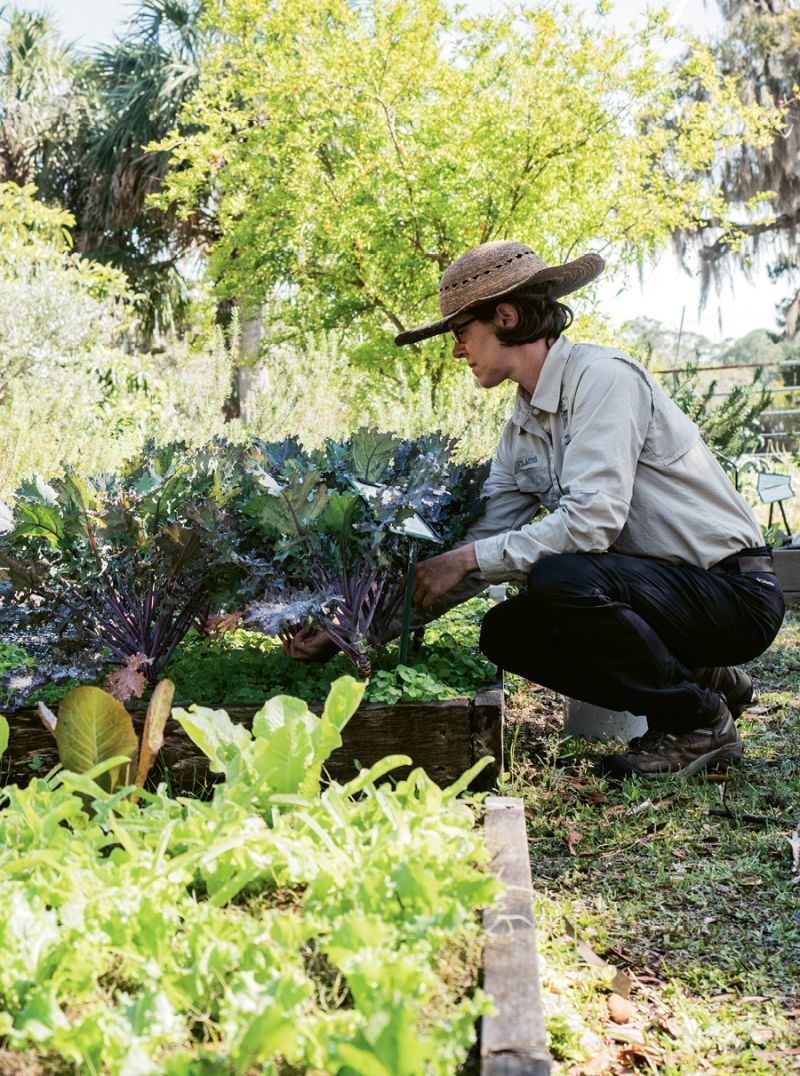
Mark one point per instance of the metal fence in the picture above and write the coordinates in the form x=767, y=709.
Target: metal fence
x=780, y=432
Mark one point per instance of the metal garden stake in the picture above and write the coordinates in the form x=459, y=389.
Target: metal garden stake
x=416, y=529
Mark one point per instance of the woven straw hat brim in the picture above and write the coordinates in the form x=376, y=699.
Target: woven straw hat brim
x=559, y=279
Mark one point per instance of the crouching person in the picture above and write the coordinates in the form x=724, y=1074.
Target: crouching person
x=645, y=578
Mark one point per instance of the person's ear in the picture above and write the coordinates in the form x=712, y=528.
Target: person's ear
x=506, y=315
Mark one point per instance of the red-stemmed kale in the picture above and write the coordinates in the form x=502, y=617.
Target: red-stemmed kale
x=131, y=561
x=323, y=553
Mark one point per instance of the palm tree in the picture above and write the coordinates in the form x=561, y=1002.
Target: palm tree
x=41, y=104
x=142, y=82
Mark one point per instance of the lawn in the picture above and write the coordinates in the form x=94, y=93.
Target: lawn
x=700, y=912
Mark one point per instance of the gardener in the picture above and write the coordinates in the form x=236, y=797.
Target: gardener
x=646, y=580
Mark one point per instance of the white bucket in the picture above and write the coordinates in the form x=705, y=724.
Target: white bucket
x=590, y=722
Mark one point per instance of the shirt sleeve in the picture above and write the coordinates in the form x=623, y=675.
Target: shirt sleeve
x=612, y=408
x=506, y=507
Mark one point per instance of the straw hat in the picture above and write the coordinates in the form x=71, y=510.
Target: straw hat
x=495, y=269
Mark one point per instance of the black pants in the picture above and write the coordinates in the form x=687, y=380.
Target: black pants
x=625, y=632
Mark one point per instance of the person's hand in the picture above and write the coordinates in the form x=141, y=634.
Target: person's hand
x=435, y=576
x=310, y=644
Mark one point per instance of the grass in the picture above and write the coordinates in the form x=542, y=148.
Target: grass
x=701, y=912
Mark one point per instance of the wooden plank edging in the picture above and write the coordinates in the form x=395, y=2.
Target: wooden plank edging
x=444, y=737
x=513, y=1042
x=787, y=569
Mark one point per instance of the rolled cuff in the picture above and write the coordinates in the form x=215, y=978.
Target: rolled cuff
x=491, y=562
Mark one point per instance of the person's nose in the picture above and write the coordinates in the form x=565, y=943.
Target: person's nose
x=458, y=350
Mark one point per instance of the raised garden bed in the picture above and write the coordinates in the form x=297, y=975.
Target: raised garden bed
x=434, y=709
x=787, y=569
x=340, y=858
x=444, y=738
x=513, y=1040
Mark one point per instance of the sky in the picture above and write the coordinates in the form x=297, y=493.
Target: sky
x=665, y=292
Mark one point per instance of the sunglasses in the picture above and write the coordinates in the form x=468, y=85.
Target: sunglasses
x=458, y=331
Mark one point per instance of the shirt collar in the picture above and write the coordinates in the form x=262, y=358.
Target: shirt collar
x=547, y=394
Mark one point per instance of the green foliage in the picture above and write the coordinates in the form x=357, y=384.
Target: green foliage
x=42, y=99
x=139, y=84
x=263, y=927
x=325, y=132
x=284, y=754
x=14, y=657
x=730, y=428
x=58, y=308
x=134, y=559
x=93, y=729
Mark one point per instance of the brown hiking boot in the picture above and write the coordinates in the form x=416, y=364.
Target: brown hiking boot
x=730, y=681
x=680, y=754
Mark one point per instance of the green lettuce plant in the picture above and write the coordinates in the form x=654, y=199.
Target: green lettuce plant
x=95, y=735
x=272, y=926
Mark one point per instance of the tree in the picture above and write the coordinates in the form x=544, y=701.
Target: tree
x=40, y=100
x=79, y=128
x=352, y=151
x=761, y=184
x=142, y=82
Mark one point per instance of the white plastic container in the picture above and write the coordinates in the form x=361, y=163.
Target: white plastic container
x=590, y=722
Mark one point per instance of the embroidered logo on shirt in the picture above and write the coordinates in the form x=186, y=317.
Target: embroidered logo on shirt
x=525, y=462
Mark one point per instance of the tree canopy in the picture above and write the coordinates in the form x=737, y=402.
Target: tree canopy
x=761, y=183
x=352, y=151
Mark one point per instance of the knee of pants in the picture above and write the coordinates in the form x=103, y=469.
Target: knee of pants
x=498, y=627
x=555, y=580
x=510, y=626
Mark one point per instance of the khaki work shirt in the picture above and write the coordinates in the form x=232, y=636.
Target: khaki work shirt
x=616, y=464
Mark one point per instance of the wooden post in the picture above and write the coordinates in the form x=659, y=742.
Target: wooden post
x=487, y=735
x=513, y=1042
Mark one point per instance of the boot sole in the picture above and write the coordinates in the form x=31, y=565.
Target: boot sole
x=730, y=753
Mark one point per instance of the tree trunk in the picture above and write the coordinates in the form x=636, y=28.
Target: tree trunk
x=249, y=376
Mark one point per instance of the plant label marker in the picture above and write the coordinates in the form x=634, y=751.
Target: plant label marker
x=414, y=527
x=774, y=489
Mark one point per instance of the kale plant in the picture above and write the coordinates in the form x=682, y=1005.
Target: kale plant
x=321, y=533
x=129, y=561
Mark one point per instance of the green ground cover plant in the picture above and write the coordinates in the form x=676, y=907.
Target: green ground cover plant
x=271, y=927
x=699, y=910
x=244, y=667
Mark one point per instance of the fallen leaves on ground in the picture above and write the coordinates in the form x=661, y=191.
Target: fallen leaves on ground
x=620, y=1009
x=573, y=840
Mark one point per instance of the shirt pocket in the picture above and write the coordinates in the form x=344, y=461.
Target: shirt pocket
x=532, y=475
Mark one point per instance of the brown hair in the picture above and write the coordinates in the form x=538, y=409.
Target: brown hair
x=538, y=317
